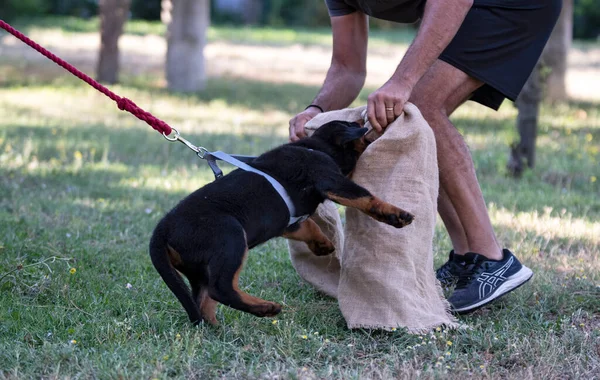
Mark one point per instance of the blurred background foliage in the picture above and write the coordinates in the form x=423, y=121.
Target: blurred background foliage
x=274, y=13
x=586, y=22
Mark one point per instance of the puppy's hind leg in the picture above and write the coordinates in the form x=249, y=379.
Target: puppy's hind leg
x=224, y=275
x=164, y=258
x=310, y=233
x=207, y=306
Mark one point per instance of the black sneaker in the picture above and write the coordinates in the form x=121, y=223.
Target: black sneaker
x=448, y=273
x=482, y=280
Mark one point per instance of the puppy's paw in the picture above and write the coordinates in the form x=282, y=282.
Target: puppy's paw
x=267, y=309
x=400, y=218
x=211, y=319
x=322, y=247
x=392, y=215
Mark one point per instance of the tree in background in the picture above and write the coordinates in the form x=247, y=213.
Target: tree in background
x=546, y=82
x=113, y=14
x=556, y=53
x=187, y=24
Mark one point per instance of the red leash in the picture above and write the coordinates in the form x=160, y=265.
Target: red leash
x=123, y=103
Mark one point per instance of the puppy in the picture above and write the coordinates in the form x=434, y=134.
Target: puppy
x=206, y=237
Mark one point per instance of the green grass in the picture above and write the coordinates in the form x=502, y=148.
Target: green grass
x=243, y=34
x=82, y=185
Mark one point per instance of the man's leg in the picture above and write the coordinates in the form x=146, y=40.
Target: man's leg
x=484, y=271
x=461, y=204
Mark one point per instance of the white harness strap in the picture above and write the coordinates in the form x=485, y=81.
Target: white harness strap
x=276, y=185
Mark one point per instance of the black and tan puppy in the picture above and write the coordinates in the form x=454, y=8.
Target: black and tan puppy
x=208, y=234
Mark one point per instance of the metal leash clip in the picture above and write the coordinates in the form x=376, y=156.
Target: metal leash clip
x=200, y=151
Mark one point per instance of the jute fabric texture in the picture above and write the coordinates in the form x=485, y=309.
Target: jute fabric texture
x=383, y=277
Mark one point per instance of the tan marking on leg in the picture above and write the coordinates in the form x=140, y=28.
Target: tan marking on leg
x=208, y=308
x=174, y=257
x=310, y=233
x=258, y=306
x=377, y=209
x=361, y=203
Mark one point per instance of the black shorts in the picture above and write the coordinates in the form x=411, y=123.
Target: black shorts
x=500, y=46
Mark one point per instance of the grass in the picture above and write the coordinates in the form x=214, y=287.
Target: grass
x=243, y=35
x=82, y=186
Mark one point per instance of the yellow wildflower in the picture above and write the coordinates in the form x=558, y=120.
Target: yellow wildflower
x=72, y=270
x=275, y=321
x=304, y=337
x=449, y=343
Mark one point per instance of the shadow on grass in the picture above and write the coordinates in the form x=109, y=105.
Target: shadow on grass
x=131, y=147
x=273, y=36
x=102, y=215
x=564, y=187
x=252, y=94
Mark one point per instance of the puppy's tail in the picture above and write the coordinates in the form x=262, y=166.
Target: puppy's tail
x=162, y=263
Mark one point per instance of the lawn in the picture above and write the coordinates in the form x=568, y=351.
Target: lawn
x=82, y=185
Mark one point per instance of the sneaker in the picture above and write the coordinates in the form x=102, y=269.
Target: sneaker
x=448, y=273
x=483, y=280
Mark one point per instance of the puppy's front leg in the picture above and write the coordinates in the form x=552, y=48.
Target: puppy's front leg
x=310, y=233
x=347, y=193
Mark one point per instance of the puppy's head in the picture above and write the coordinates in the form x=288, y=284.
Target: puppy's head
x=344, y=141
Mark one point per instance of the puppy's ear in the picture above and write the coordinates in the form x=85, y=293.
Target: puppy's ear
x=351, y=134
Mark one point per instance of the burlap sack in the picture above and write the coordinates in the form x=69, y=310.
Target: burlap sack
x=386, y=277
x=323, y=272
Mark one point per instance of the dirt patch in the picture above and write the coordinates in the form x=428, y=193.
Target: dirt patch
x=292, y=64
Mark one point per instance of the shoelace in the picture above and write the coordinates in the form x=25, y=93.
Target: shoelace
x=448, y=272
x=469, y=271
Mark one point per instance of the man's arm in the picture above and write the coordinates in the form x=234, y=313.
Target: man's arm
x=347, y=72
x=441, y=20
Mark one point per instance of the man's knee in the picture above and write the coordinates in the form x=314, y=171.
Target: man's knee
x=432, y=110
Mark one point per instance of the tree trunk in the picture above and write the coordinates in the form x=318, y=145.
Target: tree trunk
x=528, y=105
x=547, y=81
x=188, y=22
x=556, y=53
x=113, y=14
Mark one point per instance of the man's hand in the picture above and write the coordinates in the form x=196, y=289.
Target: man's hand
x=387, y=103
x=297, y=123
x=440, y=22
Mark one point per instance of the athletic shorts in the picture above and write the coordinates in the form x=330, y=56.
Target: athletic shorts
x=500, y=46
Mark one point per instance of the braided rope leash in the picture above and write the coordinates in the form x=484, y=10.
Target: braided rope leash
x=124, y=104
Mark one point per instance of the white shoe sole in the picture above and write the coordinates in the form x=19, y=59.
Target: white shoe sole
x=513, y=282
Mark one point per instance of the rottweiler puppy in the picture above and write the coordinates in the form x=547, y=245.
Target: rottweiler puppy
x=206, y=237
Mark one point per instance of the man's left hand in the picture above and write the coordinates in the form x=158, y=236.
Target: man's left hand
x=387, y=103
